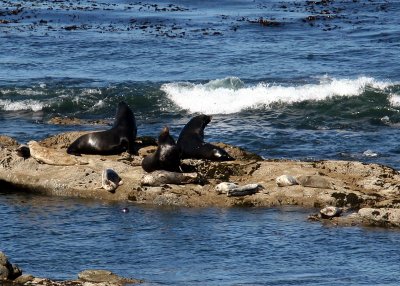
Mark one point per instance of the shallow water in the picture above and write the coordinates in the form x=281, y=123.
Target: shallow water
x=57, y=238
x=303, y=80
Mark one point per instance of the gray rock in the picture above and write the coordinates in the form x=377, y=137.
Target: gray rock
x=3, y=259
x=4, y=272
x=24, y=279
x=104, y=276
x=382, y=216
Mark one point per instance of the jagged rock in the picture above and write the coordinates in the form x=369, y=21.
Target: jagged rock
x=6, y=141
x=8, y=271
x=4, y=272
x=381, y=217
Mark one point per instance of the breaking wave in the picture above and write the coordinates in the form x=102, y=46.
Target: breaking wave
x=231, y=95
x=28, y=104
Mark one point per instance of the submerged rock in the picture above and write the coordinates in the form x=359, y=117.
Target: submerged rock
x=105, y=276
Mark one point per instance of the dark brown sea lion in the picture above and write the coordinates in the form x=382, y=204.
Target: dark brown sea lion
x=118, y=139
x=166, y=157
x=191, y=142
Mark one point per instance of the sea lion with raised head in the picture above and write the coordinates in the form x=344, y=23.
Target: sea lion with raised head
x=166, y=157
x=191, y=142
x=118, y=139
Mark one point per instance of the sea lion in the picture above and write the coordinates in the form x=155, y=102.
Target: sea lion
x=191, y=142
x=119, y=138
x=52, y=156
x=166, y=157
x=160, y=178
x=110, y=180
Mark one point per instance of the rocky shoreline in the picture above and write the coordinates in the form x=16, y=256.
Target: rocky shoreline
x=11, y=274
x=367, y=194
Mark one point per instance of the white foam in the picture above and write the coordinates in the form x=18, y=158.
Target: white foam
x=394, y=100
x=28, y=104
x=230, y=95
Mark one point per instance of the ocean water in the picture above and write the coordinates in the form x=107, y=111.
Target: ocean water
x=58, y=238
x=302, y=80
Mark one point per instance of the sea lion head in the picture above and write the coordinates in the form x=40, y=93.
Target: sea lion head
x=125, y=118
x=165, y=138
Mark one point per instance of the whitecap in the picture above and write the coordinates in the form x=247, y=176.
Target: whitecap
x=28, y=104
x=231, y=95
x=394, y=100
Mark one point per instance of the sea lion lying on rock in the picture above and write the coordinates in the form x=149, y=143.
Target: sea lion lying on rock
x=53, y=157
x=110, y=180
x=159, y=178
x=233, y=190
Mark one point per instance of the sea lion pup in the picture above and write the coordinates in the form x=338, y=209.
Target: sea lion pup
x=191, y=142
x=120, y=138
x=166, y=157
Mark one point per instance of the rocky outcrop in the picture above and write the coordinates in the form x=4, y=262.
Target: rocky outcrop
x=8, y=271
x=349, y=185
x=10, y=274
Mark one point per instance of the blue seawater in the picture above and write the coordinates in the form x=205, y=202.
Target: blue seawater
x=303, y=80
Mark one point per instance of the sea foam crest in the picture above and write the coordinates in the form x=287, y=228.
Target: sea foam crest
x=28, y=104
x=231, y=95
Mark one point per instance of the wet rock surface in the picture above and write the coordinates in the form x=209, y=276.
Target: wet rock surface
x=354, y=186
